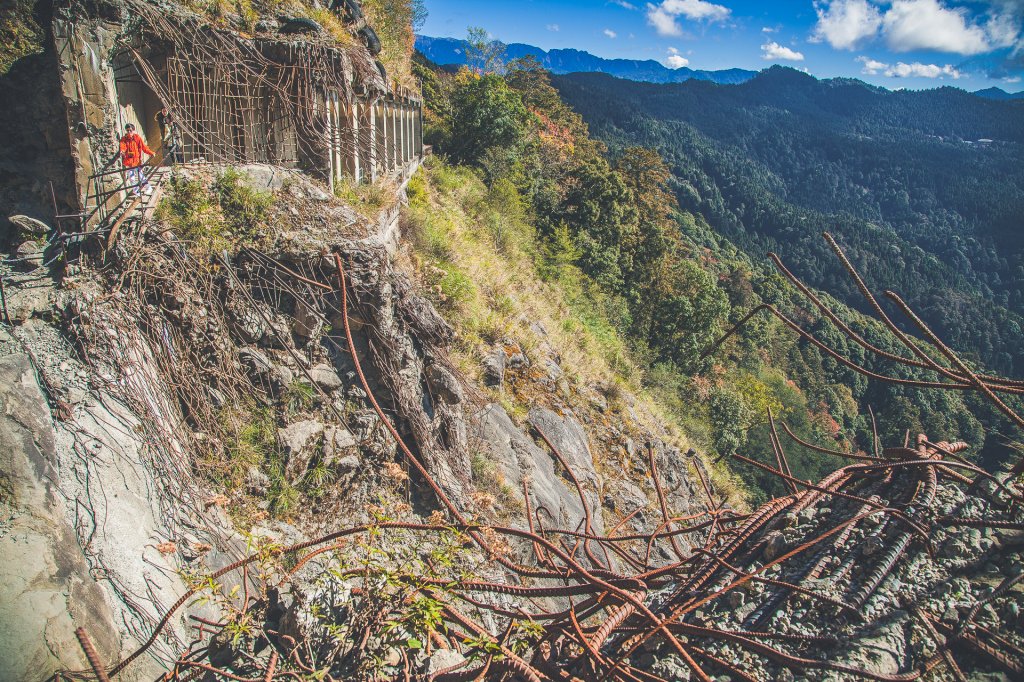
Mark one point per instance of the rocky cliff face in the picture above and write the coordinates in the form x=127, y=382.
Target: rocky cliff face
x=34, y=141
x=132, y=394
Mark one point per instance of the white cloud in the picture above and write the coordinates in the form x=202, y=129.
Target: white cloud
x=674, y=60
x=872, y=67
x=697, y=9
x=663, y=16
x=843, y=24
x=610, y=33
x=928, y=25
x=663, y=22
x=908, y=25
x=769, y=29
x=1012, y=79
x=919, y=70
x=1004, y=30
x=624, y=4
x=773, y=52
x=554, y=28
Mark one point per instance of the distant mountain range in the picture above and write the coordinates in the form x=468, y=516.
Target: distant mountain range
x=999, y=94
x=924, y=187
x=445, y=51
x=452, y=51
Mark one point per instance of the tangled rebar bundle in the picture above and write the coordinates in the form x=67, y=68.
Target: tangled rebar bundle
x=901, y=565
x=238, y=99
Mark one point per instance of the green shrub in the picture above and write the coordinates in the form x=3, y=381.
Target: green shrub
x=213, y=217
x=416, y=189
x=245, y=209
x=456, y=287
x=283, y=497
x=192, y=212
x=20, y=35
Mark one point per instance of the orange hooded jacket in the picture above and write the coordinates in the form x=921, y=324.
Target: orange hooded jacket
x=132, y=146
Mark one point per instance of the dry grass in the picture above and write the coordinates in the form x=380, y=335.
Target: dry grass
x=477, y=258
x=366, y=197
x=332, y=24
x=483, y=275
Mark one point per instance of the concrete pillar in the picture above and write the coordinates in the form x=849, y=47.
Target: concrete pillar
x=419, y=129
x=392, y=129
x=380, y=160
x=405, y=132
x=371, y=151
x=413, y=151
x=397, y=148
x=412, y=129
x=389, y=154
x=332, y=140
x=356, y=170
x=338, y=139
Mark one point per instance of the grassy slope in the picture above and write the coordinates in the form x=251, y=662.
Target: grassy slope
x=475, y=253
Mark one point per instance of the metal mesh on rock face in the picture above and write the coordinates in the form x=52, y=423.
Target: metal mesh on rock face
x=248, y=100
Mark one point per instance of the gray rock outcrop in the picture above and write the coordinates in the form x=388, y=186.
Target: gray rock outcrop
x=518, y=458
x=46, y=590
x=567, y=434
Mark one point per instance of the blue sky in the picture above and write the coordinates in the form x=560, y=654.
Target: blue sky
x=971, y=44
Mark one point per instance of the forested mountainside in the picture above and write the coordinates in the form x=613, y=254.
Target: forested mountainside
x=925, y=187
x=662, y=251
x=453, y=51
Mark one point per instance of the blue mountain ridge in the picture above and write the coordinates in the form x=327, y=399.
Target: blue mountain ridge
x=446, y=51
x=999, y=94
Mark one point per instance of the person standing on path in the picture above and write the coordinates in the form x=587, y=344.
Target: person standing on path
x=132, y=149
x=163, y=119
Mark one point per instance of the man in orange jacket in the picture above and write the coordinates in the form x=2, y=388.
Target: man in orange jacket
x=132, y=149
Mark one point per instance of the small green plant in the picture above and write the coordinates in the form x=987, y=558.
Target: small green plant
x=420, y=618
x=525, y=635
x=455, y=286
x=283, y=496
x=298, y=396
x=482, y=647
x=250, y=436
x=317, y=480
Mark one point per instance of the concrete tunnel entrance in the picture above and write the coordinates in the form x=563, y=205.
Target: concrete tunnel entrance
x=136, y=102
